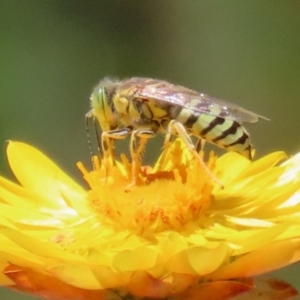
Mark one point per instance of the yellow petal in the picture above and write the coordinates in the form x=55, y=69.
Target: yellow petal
x=198, y=260
x=177, y=234
x=264, y=260
x=68, y=273
x=40, y=175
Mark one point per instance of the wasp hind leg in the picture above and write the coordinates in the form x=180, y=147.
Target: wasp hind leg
x=176, y=127
x=170, y=138
x=199, y=146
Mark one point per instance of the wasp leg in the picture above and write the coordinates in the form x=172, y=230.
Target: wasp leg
x=108, y=144
x=175, y=126
x=169, y=139
x=138, y=142
x=199, y=146
x=108, y=141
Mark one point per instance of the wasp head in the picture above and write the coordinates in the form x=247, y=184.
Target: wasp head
x=102, y=104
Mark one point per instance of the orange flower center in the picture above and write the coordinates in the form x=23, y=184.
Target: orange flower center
x=173, y=194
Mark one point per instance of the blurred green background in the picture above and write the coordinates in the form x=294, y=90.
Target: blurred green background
x=53, y=52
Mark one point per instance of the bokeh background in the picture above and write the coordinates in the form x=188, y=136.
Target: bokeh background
x=53, y=52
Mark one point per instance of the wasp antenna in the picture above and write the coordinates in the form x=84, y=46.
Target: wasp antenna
x=88, y=136
x=98, y=139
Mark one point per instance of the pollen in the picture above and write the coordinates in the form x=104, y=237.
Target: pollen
x=168, y=198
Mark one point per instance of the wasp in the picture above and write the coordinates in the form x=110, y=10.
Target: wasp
x=142, y=107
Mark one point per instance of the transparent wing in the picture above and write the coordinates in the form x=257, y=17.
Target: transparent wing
x=189, y=99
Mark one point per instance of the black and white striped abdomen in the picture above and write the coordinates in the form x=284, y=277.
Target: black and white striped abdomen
x=225, y=133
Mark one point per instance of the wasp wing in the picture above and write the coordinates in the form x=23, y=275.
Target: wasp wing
x=189, y=99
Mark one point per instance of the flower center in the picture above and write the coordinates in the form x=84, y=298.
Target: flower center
x=174, y=193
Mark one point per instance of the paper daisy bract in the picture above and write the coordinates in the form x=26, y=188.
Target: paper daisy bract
x=176, y=236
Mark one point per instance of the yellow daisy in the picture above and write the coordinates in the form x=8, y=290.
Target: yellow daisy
x=176, y=236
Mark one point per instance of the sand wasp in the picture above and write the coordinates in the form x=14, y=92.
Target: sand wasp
x=141, y=107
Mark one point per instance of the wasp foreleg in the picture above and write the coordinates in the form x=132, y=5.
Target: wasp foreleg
x=108, y=144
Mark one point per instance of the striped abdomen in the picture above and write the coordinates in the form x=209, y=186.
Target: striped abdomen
x=225, y=133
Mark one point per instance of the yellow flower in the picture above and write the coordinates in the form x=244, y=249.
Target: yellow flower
x=178, y=235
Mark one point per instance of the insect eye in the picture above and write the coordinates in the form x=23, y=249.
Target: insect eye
x=100, y=93
x=97, y=97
